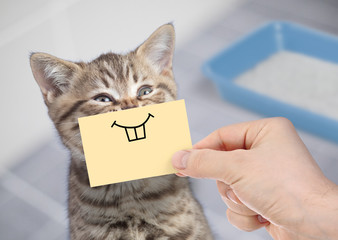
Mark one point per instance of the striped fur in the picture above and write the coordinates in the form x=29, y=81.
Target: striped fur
x=153, y=208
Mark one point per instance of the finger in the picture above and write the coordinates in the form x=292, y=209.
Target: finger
x=206, y=163
x=232, y=201
x=245, y=223
x=245, y=135
x=223, y=191
x=237, y=136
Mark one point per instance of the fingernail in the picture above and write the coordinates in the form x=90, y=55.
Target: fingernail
x=179, y=159
x=180, y=175
x=230, y=196
x=261, y=219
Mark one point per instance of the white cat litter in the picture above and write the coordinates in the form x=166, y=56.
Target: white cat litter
x=296, y=79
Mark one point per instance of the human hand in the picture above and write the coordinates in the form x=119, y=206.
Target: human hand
x=267, y=177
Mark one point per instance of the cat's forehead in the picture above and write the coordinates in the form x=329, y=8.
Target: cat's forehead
x=116, y=60
x=121, y=73
x=114, y=65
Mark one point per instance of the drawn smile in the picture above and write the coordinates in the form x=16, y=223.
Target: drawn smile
x=135, y=133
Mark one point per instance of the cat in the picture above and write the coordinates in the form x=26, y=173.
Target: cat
x=152, y=208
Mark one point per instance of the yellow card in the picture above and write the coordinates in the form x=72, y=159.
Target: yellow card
x=134, y=143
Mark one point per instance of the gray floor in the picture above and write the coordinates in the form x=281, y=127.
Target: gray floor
x=33, y=194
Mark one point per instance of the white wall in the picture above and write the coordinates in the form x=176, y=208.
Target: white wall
x=75, y=29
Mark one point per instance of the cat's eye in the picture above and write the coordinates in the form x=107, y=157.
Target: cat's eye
x=103, y=98
x=145, y=90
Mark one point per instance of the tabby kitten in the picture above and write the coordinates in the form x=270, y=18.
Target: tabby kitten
x=153, y=208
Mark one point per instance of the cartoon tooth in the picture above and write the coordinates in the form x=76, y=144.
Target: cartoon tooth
x=135, y=133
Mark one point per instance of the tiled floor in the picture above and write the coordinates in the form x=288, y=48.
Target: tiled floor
x=33, y=194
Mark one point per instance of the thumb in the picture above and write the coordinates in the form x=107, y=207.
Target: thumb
x=207, y=163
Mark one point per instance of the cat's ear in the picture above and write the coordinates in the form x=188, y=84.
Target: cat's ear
x=52, y=74
x=158, y=49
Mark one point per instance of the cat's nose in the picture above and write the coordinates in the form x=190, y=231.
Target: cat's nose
x=128, y=103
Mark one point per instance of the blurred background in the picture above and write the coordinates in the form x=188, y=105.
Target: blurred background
x=33, y=163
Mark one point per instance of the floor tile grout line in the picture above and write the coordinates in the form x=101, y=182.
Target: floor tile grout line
x=34, y=197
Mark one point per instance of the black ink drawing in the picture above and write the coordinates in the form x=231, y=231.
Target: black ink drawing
x=133, y=129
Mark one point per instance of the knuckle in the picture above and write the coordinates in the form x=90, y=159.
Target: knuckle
x=282, y=121
x=236, y=171
x=199, y=157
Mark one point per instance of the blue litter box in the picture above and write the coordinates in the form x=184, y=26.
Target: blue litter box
x=258, y=46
